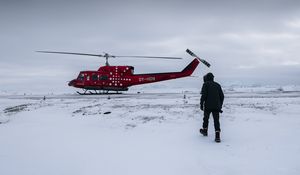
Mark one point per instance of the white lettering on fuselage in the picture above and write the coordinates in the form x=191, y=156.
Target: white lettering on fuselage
x=150, y=79
x=147, y=79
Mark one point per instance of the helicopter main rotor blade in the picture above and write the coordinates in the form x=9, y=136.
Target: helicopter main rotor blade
x=194, y=55
x=106, y=55
x=150, y=57
x=72, y=53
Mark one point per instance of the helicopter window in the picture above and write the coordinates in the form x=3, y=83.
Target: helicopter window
x=81, y=77
x=94, y=77
x=104, y=77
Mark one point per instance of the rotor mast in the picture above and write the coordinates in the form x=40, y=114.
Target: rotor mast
x=106, y=56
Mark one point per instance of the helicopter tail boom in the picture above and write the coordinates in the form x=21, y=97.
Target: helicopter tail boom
x=155, y=77
x=189, y=69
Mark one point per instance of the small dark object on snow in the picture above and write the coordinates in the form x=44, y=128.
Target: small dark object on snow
x=16, y=109
x=130, y=126
x=108, y=112
x=108, y=97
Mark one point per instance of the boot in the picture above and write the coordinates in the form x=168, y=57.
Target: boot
x=203, y=131
x=217, y=139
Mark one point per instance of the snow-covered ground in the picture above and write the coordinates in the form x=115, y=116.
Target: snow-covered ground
x=149, y=133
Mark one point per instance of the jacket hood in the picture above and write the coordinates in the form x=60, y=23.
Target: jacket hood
x=209, y=77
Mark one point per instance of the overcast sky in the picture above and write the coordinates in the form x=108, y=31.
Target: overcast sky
x=246, y=42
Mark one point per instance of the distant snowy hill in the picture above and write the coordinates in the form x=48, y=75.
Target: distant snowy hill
x=258, y=88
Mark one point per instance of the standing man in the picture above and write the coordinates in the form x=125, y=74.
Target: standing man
x=212, y=98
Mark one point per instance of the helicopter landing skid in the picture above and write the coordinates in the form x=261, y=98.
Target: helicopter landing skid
x=97, y=93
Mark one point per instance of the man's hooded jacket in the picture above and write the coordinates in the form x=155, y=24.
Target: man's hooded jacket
x=212, y=95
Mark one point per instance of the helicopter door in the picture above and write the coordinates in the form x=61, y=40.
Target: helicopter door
x=94, y=78
x=87, y=79
x=103, y=77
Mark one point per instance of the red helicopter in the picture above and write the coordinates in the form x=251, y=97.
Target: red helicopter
x=120, y=78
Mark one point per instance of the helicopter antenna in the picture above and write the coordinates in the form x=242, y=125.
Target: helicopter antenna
x=106, y=55
x=194, y=55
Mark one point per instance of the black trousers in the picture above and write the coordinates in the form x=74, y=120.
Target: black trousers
x=216, y=117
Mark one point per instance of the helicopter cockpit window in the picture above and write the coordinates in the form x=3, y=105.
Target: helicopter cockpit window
x=103, y=77
x=94, y=77
x=81, y=77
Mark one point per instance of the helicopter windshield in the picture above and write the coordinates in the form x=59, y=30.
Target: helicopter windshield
x=80, y=77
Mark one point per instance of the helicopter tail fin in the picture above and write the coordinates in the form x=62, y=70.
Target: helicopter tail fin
x=189, y=69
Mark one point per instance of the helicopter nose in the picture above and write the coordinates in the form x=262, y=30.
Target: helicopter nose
x=71, y=83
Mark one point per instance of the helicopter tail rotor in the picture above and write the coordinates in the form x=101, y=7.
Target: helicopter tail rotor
x=194, y=55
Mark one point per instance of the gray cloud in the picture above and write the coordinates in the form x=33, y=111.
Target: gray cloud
x=241, y=39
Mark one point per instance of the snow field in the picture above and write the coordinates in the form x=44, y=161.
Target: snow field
x=148, y=134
